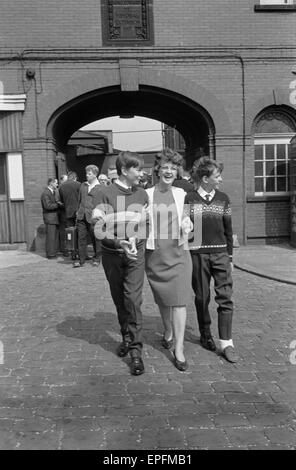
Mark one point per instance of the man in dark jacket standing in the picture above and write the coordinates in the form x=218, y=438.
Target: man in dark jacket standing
x=50, y=207
x=69, y=195
x=88, y=200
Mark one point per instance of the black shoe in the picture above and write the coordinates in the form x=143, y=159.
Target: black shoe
x=123, y=349
x=207, y=342
x=78, y=264
x=137, y=366
x=167, y=343
x=180, y=365
x=96, y=262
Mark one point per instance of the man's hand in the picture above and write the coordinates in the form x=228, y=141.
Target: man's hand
x=129, y=249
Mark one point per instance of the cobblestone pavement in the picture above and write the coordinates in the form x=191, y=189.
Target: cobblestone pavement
x=63, y=387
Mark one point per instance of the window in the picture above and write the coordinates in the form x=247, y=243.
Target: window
x=272, y=165
x=275, y=6
x=276, y=2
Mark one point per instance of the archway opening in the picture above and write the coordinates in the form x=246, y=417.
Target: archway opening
x=187, y=118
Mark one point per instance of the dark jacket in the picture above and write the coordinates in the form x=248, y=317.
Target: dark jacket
x=50, y=207
x=184, y=184
x=69, y=194
x=88, y=201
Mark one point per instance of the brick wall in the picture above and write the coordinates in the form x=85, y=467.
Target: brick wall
x=70, y=23
x=270, y=220
x=214, y=83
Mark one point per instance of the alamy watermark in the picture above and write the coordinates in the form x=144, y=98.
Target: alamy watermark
x=156, y=220
x=292, y=356
x=293, y=93
x=1, y=353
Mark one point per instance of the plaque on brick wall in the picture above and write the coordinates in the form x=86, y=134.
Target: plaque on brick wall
x=127, y=22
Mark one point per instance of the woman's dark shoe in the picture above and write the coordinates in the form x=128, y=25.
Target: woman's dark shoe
x=167, y=343
x=180, y=365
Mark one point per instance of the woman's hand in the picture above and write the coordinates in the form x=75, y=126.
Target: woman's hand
x=186, y=225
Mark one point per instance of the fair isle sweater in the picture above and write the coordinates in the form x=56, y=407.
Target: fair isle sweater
x=212, y=231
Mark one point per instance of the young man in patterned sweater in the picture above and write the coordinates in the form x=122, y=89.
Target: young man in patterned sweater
x=211, y=251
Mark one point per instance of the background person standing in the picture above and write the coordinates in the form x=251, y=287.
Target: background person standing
x=88, y=200
x=69, y=196
x=50, y=207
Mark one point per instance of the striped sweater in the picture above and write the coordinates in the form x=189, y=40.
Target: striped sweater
x=212, y=223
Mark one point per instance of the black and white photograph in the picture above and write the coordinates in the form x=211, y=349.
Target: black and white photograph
x=147, y=228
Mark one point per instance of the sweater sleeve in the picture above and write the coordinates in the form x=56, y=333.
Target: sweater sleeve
x=227, y=223
x=102, y=209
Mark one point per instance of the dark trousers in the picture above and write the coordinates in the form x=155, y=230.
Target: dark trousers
x=52, y=239
x=62, y=236
x=205, y=266
x=126, y=278
x=85, y=230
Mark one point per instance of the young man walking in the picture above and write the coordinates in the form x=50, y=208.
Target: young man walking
x=123, y=252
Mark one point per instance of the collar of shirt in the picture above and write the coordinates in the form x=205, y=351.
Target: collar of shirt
x=92, y=185
x=123, y=185
x=203, y=193
x=50, y=189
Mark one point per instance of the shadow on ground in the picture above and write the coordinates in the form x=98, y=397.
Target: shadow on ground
x=103, y=328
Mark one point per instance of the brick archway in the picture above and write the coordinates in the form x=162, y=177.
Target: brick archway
x=52, y=104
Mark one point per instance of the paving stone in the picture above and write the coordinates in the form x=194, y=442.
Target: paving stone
x=39, y=441
x=245, y=437
x=247, y=397
x=260, y=419
x=230, y=420
x=83, y=440
x=206, y=438
x=225, y=386
x=170, y=439
x=149, y=422
x=281, y=435
x=190, y=421
x=123, y=440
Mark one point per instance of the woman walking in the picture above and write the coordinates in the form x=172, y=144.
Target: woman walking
x=168, y=262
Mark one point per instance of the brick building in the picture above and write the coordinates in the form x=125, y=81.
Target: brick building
x=220, y=73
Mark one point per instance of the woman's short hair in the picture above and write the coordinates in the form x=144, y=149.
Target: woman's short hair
x=167, y=156
x=93, y=168
x=205, y=166
x=128, y=160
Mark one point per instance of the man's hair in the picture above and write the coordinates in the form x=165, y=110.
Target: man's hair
x=168, y=156
x=128, y=160
x=92, y=168
x=103, y=174
x=72, y=175
x=50, y=180
x=205, y=166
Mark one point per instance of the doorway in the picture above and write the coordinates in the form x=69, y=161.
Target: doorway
x=4, y=215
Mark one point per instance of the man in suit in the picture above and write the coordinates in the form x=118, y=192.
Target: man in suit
x=50, y=207
x=88, y=200
x=183, y=181
x=69, y=195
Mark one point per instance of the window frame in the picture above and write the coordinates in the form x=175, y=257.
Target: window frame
x=271, y=139
x=279, y=6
